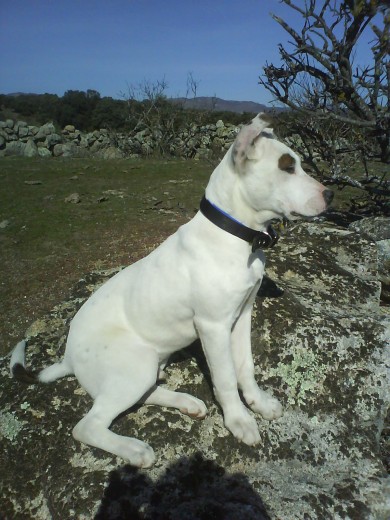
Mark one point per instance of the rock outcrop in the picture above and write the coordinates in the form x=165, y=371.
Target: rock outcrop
x=195, y=141
x=377, y=229
x=321, y=346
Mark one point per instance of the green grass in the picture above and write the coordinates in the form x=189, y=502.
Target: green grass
x=41, y=208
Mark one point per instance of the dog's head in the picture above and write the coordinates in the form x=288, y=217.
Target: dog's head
x=271, y=176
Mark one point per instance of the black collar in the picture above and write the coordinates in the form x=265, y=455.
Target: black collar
x=258, y=239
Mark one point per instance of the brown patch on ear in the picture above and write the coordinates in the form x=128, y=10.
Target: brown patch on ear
x=287, y=163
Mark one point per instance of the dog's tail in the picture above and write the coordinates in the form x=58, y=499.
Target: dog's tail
x=19, y=371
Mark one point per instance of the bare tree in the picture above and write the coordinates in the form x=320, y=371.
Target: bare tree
x=144, y=102
x=192, y=85
x=318, y=76
x=151, y=115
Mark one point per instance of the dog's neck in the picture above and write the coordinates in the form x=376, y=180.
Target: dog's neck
x=256, y=239
x=224, y=191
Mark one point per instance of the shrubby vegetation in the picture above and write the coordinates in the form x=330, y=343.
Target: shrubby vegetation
x=89, y=111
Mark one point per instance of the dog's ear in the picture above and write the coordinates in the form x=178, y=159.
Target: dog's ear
x=246, y=145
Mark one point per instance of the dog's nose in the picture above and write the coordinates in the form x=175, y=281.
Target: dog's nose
x=328, y=196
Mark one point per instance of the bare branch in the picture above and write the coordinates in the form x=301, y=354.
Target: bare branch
x=317, y=74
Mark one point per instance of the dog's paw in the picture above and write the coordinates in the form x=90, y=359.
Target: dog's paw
x=266, y=405
x=193, y=407
x=138, y=453
x=243, y=427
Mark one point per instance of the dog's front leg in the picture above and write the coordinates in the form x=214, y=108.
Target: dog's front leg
x=215, y=340
x=258, y=400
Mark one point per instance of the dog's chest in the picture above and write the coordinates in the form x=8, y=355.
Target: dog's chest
x=257, y=266
x=245, y=282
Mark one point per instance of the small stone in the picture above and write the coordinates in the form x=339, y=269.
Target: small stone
x=33, y=183
x=31, y=149
x=44, y=131
x=4, y=224
x=44, y=152
x=52, y=140
x=15, y=148
x=73, y=198
x=23, y=131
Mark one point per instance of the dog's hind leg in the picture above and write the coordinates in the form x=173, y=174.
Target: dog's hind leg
x=121, y=387
x=186, y=403
x=93, y=429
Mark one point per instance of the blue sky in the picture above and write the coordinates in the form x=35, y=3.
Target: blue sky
x=58, y=45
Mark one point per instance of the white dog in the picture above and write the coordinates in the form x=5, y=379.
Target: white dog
x=200, y=283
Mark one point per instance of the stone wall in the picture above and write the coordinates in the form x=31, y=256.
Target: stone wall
x=193, y=141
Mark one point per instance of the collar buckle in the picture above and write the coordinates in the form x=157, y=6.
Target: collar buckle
x=265, y=240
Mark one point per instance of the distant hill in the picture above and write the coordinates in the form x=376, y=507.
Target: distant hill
x=17, y=94
x=223, y=105
x=210, y=103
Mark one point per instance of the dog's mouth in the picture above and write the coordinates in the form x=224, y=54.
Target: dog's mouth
x=294, y=215
x=313, y=207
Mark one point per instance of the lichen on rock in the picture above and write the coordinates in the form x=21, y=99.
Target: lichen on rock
x=10, y=426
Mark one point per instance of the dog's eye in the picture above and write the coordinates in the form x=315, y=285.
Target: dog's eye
x=290, y=169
